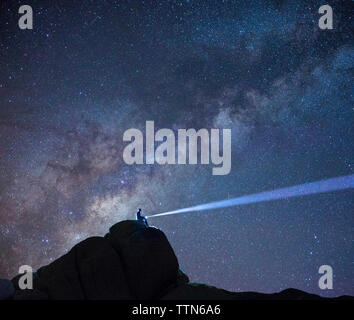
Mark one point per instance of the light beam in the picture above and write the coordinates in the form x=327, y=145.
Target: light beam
x=332, y=184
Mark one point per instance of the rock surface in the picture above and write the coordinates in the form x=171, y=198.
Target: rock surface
x=132, y=261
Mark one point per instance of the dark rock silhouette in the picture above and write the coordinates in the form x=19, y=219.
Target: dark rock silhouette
x=7, y=289
x=132, y=261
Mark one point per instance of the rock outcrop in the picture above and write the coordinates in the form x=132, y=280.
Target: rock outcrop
x=132, y=261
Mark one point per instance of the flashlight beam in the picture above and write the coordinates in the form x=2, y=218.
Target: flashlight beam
x=332, y=184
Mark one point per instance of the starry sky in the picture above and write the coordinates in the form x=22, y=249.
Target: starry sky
x=89, y=70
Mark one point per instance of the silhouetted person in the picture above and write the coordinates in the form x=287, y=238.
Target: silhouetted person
x=141, y=218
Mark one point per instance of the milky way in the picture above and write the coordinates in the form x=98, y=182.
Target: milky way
x=89, y=70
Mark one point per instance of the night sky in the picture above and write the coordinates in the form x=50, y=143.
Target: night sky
x=89, y=70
